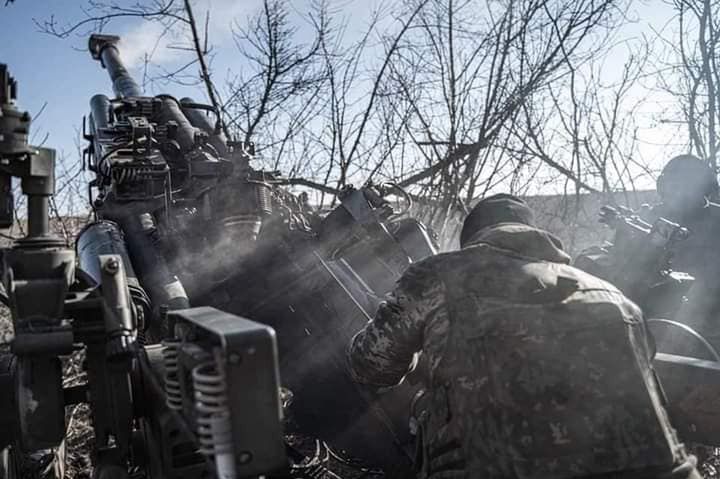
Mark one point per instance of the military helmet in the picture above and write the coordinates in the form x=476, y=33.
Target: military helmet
x=690, y=171
x=495, y=209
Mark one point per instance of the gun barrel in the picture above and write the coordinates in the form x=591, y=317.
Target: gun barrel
x=103, y=48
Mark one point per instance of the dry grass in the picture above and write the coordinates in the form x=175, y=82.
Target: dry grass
x=6, y=331
x=79, y=434
x=75, y=452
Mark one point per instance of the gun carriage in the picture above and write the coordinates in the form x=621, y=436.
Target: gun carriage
x=195, y=234
x=99, y=308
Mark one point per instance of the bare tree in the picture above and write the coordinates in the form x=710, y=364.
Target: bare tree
x=98, y=14
x=433, y=112
x=279, y=89
x=584, y=126
x=462, y=76
x=690, y=73
x=175, y=17
x=579, y=134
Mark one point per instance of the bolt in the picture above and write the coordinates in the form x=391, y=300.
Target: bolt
x=244, y=457
x=235, y=358
x=112, y=266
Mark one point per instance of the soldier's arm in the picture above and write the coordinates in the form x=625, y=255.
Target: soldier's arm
x=382, y=353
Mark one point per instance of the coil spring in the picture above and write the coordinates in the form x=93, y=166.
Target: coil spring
x=172, y=374
x=211, y=402
x=140, y=315
x=264, y=199
x=318, y=471
x=122, y=175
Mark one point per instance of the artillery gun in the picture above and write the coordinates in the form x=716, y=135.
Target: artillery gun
x=191, y=407
x=200, y=226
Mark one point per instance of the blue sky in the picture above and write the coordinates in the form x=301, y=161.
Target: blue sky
x=61, y=72
x=48, y=70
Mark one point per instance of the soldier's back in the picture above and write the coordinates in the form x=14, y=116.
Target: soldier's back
x=544, y=370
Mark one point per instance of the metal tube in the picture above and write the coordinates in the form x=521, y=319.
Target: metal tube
x=162, y=285
x=102, y=47
x=101, y=238
x=196, y=116
x=100, y=110
x=123, y=84
x=200, y=120
x=38, y=218
x=105, y=238
x=171, y=111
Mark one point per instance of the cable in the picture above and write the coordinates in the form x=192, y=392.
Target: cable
x=690, y=331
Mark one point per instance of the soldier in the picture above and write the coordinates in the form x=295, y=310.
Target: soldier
x=535, y=369
x=687, y=188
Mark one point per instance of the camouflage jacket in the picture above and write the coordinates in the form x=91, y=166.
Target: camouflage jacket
x=536, y=369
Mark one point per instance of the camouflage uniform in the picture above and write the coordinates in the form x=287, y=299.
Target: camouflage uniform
x=536, y=369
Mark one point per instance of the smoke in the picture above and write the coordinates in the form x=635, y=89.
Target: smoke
x=149, y=41
x=164, y=42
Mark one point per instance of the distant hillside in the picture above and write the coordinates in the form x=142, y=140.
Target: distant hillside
x=574, y=219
